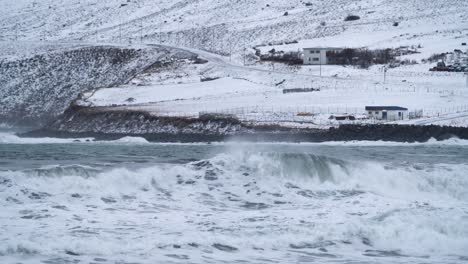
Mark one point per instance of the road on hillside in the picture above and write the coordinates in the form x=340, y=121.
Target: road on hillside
x=222, y=61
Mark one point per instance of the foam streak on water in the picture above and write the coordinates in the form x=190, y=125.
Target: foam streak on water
x=219, y=204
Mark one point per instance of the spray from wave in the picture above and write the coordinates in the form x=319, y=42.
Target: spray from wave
x=276, y=171
x=290, y=202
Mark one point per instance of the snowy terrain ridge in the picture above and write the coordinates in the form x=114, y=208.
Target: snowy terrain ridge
x=37, y=87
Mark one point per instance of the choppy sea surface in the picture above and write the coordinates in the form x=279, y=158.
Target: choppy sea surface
x=129, y=201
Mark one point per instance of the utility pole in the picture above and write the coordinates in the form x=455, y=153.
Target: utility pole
x=16, y=32
x=212, y=39
x=160, y=35
x=466, y=73
x=190, y=40
x=230, y=50
x=320, y=59
x=385, y=75
x=180, y=35
x=244, y=52
x=120, y=31
x=141, y=31
x=384, y=69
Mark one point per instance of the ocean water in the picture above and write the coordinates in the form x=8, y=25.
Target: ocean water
x=129, y=201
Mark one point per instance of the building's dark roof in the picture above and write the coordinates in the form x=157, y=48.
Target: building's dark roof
x=381, y=108
x=323, y=48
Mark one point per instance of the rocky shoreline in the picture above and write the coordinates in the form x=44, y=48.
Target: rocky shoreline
x=395, y=133
x=101, y=124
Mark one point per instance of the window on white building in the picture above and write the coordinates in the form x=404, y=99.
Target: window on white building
x=316, y=59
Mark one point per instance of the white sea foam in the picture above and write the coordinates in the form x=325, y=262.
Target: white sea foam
x=230, y=206
x=448, y=142
x=10, y=138
x=432, y=141
x=134, y=140
x=5, y=126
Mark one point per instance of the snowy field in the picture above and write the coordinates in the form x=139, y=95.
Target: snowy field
x=255, y=91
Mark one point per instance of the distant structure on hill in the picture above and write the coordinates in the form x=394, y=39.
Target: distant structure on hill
x=318, y=55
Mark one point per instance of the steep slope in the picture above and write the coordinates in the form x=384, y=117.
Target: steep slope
x=36, y=87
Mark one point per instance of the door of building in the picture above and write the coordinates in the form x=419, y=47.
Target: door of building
x=384, y=115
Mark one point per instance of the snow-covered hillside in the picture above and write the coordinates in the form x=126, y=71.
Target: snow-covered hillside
x=38, y=82
x=233, y=28
x=225, y=25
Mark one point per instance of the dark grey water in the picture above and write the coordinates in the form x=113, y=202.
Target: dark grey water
x=18, y=156
x=131, y=202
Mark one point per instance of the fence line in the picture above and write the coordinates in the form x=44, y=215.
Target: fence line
x=321, y=115
x=332, y=110
x=299, y=111
x=347, y=87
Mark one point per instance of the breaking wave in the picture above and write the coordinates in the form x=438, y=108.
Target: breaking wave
x=279, y=171
x=10, y=138
x=289, y=202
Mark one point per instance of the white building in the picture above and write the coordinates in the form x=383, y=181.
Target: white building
x=317, y=55
x=390, y=113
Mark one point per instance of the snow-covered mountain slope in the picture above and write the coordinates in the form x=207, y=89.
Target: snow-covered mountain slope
x=39, y=82
x=232, y=28
x=225, y=25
